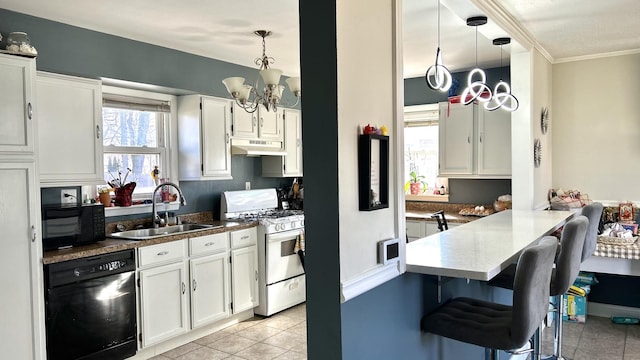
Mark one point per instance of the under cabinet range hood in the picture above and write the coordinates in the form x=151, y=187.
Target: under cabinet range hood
x=252, y=147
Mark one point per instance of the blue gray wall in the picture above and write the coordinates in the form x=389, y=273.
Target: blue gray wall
x=71, y=50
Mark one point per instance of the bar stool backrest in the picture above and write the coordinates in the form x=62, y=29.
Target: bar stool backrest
x=531, y=289
x=569, y=259
x=593, y=212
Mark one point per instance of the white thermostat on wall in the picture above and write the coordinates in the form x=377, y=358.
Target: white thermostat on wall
x=388, y=251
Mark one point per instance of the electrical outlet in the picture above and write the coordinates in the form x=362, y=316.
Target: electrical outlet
x=247, y=185
x=69, y=196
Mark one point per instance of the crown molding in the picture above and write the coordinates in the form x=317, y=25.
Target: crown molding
x=508, y=23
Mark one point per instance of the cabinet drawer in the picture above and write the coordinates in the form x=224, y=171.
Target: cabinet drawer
x=162, y=253
x=209, y=244
x=242, y=238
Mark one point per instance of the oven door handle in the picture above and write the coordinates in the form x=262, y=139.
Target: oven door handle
x=287, y=235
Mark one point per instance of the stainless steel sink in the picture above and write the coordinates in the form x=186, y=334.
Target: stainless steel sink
x=145, y=234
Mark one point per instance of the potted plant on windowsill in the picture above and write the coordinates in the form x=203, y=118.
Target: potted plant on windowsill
x=415, y=185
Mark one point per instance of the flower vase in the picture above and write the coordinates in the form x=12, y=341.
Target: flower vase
x=105, y=199
x=415, y=188
x=124, y=194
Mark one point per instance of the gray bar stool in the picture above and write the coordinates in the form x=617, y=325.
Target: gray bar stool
x=593, y=212
x=567, y=266
x=497, y=326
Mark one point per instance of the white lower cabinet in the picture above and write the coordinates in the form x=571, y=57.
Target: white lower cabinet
x=163, y=292
x=417, y=229
x=244, y=269
x=209, y=272
x=186, y=284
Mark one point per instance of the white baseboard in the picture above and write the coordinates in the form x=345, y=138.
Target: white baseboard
x=608, y=310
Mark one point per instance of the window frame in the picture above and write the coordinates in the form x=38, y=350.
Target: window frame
x=168, y=154
x=414, y=116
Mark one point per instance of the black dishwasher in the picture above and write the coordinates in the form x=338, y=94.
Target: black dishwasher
x=91, y=307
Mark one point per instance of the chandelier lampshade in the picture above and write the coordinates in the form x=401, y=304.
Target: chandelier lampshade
x=250, y=97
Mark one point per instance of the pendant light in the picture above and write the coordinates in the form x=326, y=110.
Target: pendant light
x=502, y=97
x=476, y=90
x=438, y=76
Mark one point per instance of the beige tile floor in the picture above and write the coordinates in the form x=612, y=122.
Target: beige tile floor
x=597, y=339
x=282, y=336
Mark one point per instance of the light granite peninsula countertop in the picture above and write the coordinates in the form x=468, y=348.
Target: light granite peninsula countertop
x=480, y=249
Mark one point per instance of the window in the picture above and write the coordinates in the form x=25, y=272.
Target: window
x=421, y=143
x=136, y=129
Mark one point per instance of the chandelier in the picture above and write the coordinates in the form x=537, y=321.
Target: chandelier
x=249, y=97
x=502, y=96
x=478, y=89
x=438, y=76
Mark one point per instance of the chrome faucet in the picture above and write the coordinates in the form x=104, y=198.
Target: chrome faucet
x=157, y=221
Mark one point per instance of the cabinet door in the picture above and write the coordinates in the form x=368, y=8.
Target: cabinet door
x=292, y=143
x=163, y=303
x=209, y=289
x=494, y=142
x=244, y=278
x=17, y=112
x=456, y=139
x=415, y=229
x=269, y=124
x=216, y=147
x=69, y=136
x=291, y=164
x=245, y=125
x=22, y=299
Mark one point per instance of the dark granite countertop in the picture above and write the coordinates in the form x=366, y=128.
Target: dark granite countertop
x=110, y=245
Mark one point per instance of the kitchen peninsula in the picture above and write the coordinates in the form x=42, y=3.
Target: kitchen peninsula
x=479, y=250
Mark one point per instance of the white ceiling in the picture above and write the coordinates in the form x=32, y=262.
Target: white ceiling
x=563, y=29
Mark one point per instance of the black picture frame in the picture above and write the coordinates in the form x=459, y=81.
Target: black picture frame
x=373, y=172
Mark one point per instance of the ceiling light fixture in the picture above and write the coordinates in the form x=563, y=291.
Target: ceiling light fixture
x=438, y=76
x=476, y=90
x=249, y=97
x=502, y=97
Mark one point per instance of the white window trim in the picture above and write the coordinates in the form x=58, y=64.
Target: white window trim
x=170, y=168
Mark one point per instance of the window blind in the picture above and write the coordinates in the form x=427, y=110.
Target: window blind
x=135, y=103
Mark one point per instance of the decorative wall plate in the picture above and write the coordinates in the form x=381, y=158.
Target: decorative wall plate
x=537, y=153
x=544, y=120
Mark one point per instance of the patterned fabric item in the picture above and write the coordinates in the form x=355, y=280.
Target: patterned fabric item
x=619, y=252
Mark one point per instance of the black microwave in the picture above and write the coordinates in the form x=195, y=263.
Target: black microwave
x=65, y=226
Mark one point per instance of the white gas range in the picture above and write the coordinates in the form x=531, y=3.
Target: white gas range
x=280, y=246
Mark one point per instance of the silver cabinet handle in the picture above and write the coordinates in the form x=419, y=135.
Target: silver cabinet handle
x=261, y=122
x=194, y=284
x=468, y=139
x=184, y=288
x=30, y=111
x=480, y=137
x=98, y=134
x=256, y=275
x=254, y=120
x=227, y=138
x=245, y=237
x=33, y=233
x=162, y=253
x=209, y=243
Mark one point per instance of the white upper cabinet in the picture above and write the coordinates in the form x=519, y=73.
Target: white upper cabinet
x=261, y=124
x=290, y=164
x=494, y=142
x=474, y=142
x=204, y=129
x=69, y=130
x=17, y=107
